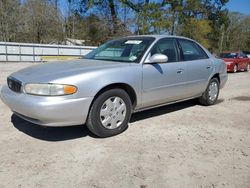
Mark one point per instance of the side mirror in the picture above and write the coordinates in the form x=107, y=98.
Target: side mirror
x=157, y=58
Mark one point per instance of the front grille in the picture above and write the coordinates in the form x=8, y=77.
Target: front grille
x=14, y=84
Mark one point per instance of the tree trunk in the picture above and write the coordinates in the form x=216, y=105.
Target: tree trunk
x=113, y=16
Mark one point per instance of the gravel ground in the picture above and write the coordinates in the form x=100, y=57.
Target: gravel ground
x=180, y=145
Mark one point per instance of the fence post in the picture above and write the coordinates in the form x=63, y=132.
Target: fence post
x=6, y=53
x=20, y=57
x=34, y=58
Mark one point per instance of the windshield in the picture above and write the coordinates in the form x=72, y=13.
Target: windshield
x=228, y=55
x=122, y=50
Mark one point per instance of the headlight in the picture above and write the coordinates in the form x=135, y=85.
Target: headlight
x=49, y=89
x=228, y=62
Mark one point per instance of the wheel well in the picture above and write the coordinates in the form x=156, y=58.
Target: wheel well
x=130, y=91
x=216, y=76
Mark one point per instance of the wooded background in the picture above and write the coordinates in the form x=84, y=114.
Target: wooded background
x=43, y=21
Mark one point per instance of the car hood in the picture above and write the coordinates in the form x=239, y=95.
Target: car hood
x=54, y=70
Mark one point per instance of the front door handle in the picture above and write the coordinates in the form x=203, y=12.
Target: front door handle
x=179, y=71
x=208, y=67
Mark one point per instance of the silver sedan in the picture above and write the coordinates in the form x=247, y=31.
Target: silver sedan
x=120, y=77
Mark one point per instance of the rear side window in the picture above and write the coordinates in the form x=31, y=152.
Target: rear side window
x=242, y=55
x=191, y=50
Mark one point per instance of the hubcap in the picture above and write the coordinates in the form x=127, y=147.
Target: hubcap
x=213, y=91
x=235, y=68
x=113, y=112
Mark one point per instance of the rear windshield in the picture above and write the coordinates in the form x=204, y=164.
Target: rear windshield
x=228, y=55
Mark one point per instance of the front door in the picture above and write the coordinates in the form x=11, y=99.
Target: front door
x=164, y=82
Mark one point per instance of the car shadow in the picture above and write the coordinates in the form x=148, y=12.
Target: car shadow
x=52, y=134
x=55, y=134
x=162, y=110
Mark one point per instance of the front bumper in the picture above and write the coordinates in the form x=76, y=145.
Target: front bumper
x=47, y=111
x=230, y=67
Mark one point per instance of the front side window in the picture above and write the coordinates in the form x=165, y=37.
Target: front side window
x=191, y=51
x=167, y=47
x=122, y=50
x=242, y=55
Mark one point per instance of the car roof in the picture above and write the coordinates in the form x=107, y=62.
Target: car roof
x=160, y=36
x=230, y=52
x=157, y=37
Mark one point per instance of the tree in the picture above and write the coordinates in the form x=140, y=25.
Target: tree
x=209, y=16
x=174, y=11
x=150, y=16
x=206, y=21
x=97, y=30
x=197, y=30
x=55, y=3
x=41, y=22
x=237, y=32
x=106, y=6
x=9, y=19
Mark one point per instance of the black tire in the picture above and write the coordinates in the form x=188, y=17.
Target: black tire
x=94, y=118
x=205, y=98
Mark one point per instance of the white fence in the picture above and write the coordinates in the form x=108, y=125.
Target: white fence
x=10, y=51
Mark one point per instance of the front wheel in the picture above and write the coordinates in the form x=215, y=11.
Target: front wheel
x=210, y=96
x=248, y=67
x=110, y=113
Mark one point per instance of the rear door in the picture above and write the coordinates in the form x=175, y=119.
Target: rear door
x=199, y=67
x=164, y=82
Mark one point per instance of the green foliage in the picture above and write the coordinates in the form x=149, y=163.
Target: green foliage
x=237, y=32
x=151, y=19
x=197, y=30
x=96, y=21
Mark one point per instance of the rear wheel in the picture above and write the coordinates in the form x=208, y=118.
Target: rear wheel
x=210, y=96
x=235, y=68
x=248, y=67
x=110, y=113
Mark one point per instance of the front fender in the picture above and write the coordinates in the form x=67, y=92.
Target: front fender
x=90, y=83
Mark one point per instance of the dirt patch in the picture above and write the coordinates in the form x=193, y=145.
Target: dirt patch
x=180, y=145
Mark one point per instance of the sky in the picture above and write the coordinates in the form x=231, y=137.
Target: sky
x=242, y=6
